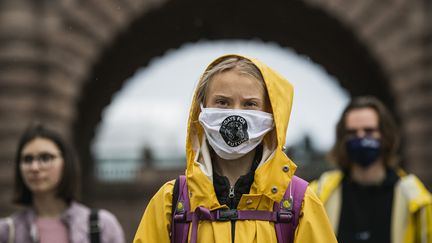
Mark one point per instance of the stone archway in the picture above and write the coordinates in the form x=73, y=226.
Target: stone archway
x=321, y=35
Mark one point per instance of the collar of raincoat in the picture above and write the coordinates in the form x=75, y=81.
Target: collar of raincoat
x=272, y=176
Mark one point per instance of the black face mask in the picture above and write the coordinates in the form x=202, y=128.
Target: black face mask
x=363, y=151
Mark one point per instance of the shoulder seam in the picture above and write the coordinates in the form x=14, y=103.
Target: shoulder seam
x=323, y=182
x=414, y=191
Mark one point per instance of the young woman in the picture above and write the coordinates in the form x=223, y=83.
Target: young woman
x=235, y=162
x=46, y=183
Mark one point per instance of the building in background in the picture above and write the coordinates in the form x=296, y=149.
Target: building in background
x=62, y=61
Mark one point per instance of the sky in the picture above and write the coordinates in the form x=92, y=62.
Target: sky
x=151, y=109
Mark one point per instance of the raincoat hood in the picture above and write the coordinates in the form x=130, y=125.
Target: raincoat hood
x=271, y=180
x=272, y=176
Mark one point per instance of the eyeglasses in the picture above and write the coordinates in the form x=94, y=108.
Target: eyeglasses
x=44, y=159
x=366, y=131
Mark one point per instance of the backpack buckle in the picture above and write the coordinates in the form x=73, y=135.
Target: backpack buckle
x=226, y=215
x=94, y=227
x=180, y=217
x=284, y=216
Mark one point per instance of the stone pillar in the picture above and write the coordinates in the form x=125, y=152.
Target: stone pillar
x=34, y=88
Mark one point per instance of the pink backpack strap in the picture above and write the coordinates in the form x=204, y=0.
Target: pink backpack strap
x=289, y=210
x=179, y=224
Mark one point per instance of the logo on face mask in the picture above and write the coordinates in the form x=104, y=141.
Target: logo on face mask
x=363, y=151
x=234, y=130
x=233, y=133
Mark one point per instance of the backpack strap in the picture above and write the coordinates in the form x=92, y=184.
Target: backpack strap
x=290, y=208
x=285, y=214
x=181, y=206
x=94, y=230
x=11, y=225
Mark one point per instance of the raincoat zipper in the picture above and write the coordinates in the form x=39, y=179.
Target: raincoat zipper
x=231, y=196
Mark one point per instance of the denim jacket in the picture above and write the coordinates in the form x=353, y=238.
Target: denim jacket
x=76, y=220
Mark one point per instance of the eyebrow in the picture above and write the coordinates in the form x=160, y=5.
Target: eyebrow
x=247, y=97
x=365, y=129
x=41, y=152
x=219, y=96
x=254, y=98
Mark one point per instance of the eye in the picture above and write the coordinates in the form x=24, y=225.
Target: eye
x=251, y=104
x=27, y=159
x=46, y=157
x=351, y=132
x=370, y=130
x=221, y=102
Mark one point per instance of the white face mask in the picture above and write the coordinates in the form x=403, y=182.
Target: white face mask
x=234, y=133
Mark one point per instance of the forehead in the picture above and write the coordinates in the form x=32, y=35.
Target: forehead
x=361, y=117
x=233, y=80
x=40, y=145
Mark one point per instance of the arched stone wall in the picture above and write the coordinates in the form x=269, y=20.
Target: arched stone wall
x=398, y=35
x=144, y=40
x=47, y=51
x=61, y=61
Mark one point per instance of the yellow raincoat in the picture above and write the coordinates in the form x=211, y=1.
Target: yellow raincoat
x=313, y=226
x=411, y=211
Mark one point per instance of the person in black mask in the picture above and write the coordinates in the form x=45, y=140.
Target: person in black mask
x=369, y=198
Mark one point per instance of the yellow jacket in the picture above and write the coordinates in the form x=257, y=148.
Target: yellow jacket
x=411, y=212
x=313, y=226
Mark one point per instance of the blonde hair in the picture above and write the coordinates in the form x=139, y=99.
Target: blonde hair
x=240, y=64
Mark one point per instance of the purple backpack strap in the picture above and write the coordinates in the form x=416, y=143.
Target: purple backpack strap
x=285, y=214
x=289, y=210
x=179, y=223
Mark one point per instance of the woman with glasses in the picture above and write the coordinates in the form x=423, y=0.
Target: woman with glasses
x=370, y=199
x=46, y=184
